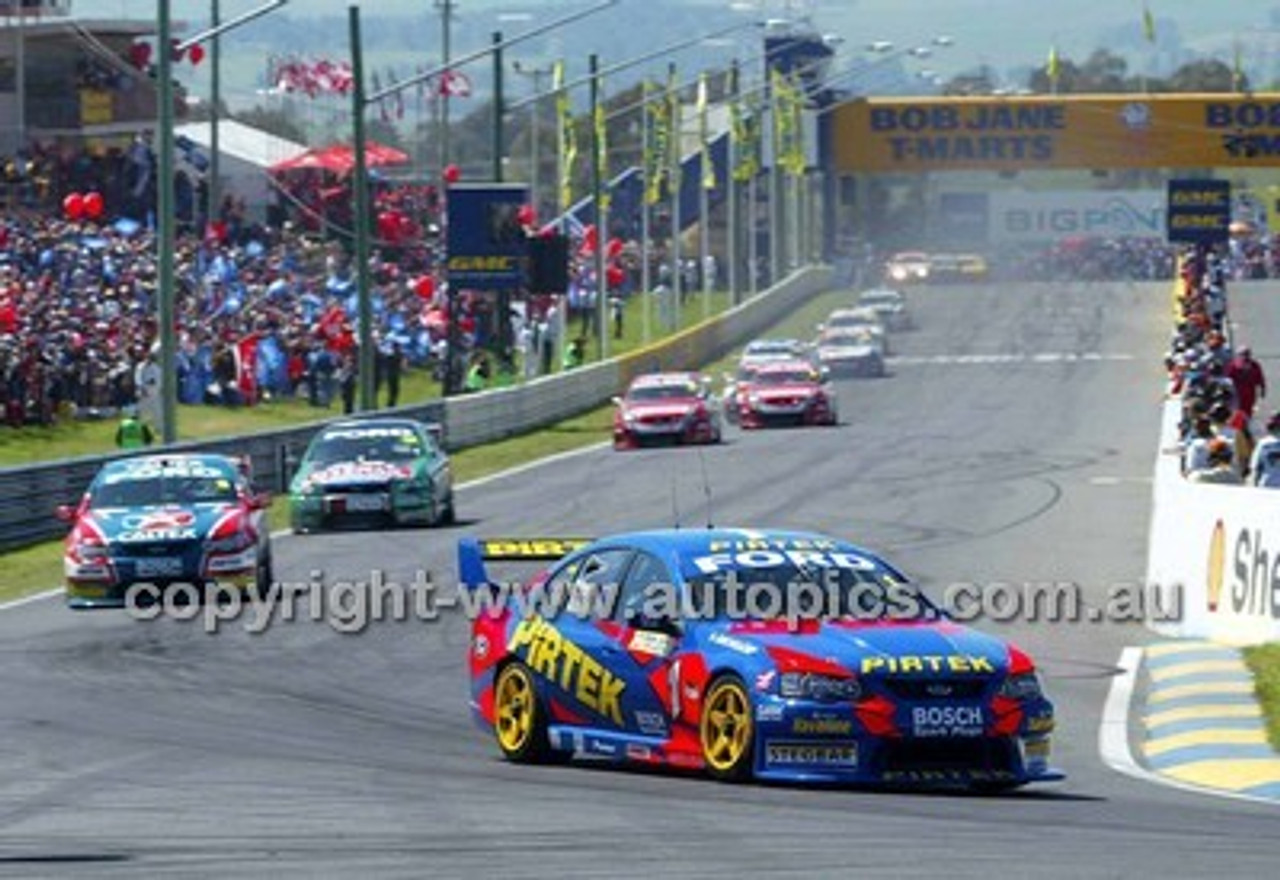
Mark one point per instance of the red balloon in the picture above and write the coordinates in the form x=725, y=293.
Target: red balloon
x=425, y=287
x=614, y=275
x=452, y=174
x=93, y=205
x=613, y=248
x=526, y=215
x=408, y=229
x=140, y=55
x=389, y=226
x=196, y=54
x=73, y=206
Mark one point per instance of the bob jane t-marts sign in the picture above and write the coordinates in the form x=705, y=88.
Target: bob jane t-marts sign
x=916, y=135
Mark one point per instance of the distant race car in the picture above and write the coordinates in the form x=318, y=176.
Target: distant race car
x=958, y=267
x=370, y=473
x=890, y=305
x=786, y=393
x=162, y=520
x=907, y=266
x=760, y=350
x=666, y=408
x=640, y=647
x=858, y=317
x=851, y=352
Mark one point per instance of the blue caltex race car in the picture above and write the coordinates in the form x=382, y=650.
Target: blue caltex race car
x=163, y=520
x=773, y=655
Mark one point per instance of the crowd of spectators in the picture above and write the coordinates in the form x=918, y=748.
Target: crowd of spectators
x=1219, y=384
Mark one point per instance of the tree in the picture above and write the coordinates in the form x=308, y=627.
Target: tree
x=277, y=122
x=1205, y=76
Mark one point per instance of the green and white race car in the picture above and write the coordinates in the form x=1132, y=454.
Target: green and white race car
x=372, y=473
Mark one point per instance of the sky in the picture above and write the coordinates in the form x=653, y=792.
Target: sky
x=1006, y=34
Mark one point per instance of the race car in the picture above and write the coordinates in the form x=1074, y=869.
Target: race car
x=907, y=266
x=370, y=473
x=760, y=350
x=668, y=408
x=646, y=647
x=890, y=305
x=163, y=520
x=850, y=352
x=858, y=317
x=958, y=267
x=786, y=393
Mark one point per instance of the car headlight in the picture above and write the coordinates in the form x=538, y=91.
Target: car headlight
x=233, y=543
x=818, y=687
x=753, y=399
x=91, y=552
x=1022, y=687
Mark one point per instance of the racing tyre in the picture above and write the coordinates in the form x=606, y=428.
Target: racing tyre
x=449, y=515
x=264, y=577
x=519, y=723
x=726, y=730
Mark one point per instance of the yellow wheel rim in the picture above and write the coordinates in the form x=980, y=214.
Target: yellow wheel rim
x=513, y=708
x=726, y=726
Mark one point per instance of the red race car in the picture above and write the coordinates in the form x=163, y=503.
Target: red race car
x=786, y=393
x=666, y=408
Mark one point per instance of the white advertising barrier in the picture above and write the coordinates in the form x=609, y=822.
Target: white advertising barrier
x=1026, y=217
x=1216, y=546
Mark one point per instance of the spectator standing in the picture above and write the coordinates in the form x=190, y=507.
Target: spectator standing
x=1264, y=465
x=1248, y=379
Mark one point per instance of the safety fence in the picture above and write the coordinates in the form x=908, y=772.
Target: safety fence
x=29, y=494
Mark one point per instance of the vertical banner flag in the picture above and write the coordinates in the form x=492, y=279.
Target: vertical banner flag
x=704, y=136
x=602, y=147
x=1051, y=66
x=567, y=140
x=655, y=156
x=742, y=128
x=1148, y=24
x=676, y=129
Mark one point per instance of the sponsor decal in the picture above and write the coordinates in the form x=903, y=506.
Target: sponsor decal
x=350, y=469
x=726, y=561
x=145, y=469
x=922, y=663
x=822, y=726
x=162, y=520
x=1255, y=585
x=1036, y=750
x=484, y=264
x=481, y=646
x=929, y=721
x=950, y=776
x=764, y=680
x=725, y=640
x=651, y=723
x=559, y=660
x=769, y=712
x=362, y=433
x=136, y=537
x=1040, y=724
x=834, y=754
x=530, y=548
x=638, y=752
x=645, y=641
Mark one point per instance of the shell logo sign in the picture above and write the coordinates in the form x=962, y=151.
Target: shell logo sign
x=1215, y=572
x=916, y=135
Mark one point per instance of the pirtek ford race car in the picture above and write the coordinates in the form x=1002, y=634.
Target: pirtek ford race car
x=372, y=472
x=161, y=520
x=647, y=647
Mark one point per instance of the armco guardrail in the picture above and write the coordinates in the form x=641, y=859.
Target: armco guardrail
x=1213, y=552
x=28, y=495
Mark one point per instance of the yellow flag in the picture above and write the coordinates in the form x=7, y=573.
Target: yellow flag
x=655, y=146
x=1148, y=24
x=704, y=135
x=1051, y=66
x=602, y=148
x=567, y=138
x=675, y=130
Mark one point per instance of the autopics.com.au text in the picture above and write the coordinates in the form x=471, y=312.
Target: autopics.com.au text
x=351, y=606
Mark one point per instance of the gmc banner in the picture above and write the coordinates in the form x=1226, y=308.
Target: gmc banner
x=487, y=244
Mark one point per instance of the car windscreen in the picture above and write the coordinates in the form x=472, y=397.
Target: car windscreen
x=374, y=445
x=810, y=592
x=144, y=491
x=784, y=377
x=662, y=392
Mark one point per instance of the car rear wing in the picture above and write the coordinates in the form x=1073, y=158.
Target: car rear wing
x=473, y=553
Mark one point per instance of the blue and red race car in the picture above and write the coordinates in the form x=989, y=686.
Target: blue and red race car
x=773, y=655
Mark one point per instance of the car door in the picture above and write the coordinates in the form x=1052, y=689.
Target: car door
x=438, y=467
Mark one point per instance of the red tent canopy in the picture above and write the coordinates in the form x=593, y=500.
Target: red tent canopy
x=341, y=158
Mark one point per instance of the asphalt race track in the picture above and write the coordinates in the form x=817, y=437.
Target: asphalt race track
x=1013, y=442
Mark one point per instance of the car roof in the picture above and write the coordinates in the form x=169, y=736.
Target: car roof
x=772, y=344
x=372, y=424
x=785, y=366
x=881, y=293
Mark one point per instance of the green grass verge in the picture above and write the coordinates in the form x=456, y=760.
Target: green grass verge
x=1264, y=662
x=39, y=567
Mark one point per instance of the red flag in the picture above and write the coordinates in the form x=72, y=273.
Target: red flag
x=245, y=353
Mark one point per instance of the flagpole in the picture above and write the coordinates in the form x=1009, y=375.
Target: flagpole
x=602, y=217
x=704, y=206
x=674, y=182
x=645, y=271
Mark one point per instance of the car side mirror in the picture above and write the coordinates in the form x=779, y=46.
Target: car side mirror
x=65, y=512
x=617, y=401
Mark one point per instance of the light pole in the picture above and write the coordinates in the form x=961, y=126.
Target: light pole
x=215, y=96
x=535, y=74
x=165, y=220
x=446, y=33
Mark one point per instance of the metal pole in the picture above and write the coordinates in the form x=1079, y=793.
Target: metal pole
x=215, y=97
x=602, y=218
x=498, y=134
x=731, y=191
x=446, y=15
x=533, y=145
x=704, y=208
x=675, y=147
x=753, y=243
x=20, y=79
x=645, y=271
x=164, y=226
x=775, y=190
x=360, y=183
